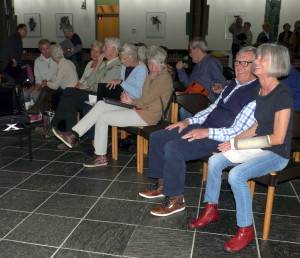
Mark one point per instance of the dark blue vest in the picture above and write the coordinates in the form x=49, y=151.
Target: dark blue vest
x=225, y=113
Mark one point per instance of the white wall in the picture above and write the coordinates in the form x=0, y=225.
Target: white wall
x=83, y=20
x=133, y=16
x=254, y=10
x=289, y=13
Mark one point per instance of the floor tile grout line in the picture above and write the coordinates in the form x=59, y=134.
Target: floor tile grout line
x=256, y=239
x=198, y=210
x=92, y=206
x=32, y=212
x=139, y=201
x=295, y=191
x=27, y=178
x=51, y=246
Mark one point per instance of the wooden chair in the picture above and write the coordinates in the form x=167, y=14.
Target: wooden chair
x=143, y=134
x=275, y=178
x=192, y=102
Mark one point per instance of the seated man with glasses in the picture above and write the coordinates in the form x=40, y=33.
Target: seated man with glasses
x=199, y=136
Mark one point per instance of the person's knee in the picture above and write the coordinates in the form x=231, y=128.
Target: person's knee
x=172, y=148
x=158, y=135
x=234, y=177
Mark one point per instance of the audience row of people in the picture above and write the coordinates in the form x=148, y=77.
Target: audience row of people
x=252, y=115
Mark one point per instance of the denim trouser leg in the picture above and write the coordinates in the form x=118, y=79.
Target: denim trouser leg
x=168, y=154
x=216, y=164
x=239, y=175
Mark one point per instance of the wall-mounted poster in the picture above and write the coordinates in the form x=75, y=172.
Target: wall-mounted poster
x=62, y=20
x=33, y=22
x=155, y=24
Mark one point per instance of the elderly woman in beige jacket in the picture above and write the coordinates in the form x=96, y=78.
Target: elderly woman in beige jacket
x=156, y=92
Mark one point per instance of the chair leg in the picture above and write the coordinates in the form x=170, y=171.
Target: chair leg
x=251, y=184
x=204, y=171
x=174, y=112
x=296, y=156
x=140, y=154
x=146, y=146
x=114, y=142
x=268, y=212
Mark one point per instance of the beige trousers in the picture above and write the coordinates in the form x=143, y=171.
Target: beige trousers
x=103, y=115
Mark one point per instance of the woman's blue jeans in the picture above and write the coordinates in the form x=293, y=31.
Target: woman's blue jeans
x=238, y=177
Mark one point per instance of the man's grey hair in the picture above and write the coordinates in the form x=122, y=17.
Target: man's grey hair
x=278, y=59
x=68, y=28
x=199, y=43
x=56, y=52
x=129, y=50
x=157, y=54
x=246, y=50
x=114, y=42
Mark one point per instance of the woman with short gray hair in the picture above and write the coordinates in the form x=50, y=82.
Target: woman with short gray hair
x=156, y=93
x=133, y=72
x=262, y=149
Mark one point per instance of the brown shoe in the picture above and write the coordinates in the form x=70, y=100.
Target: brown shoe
x=155, y=191
x=170, y=206
x=97, y=161
x=68, y=138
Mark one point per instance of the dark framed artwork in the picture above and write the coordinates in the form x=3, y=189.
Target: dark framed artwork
x=62, y=20
x=33, y=22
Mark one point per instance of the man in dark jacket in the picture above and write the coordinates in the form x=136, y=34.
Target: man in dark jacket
x=11, y=53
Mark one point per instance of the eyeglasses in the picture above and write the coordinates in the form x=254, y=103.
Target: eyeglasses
x=242, y=63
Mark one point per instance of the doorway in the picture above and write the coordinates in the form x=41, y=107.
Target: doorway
x=107, y=21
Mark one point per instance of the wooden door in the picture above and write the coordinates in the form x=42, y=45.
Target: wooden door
x=107, y=21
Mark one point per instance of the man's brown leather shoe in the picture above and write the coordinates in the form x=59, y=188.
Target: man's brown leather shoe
x=243, y=238
x=68, y=138
x=210, y=214
x=154, y=192
x=170, y=206
x=97, y=161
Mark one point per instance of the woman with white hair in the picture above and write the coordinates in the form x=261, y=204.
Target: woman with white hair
x=262, y=149
x=133, y=72
x=66, y=77
x=156, y=93
x=73, y=98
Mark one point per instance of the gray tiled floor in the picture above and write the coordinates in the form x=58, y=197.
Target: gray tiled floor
x=53, y=207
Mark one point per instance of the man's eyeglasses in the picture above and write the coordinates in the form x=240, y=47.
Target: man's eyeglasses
x=242, y=63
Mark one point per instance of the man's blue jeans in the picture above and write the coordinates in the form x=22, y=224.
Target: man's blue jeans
x=238, y=177
x=168, y=154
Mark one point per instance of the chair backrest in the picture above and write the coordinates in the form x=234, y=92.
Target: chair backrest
x=193, y=103
x=166, y=110
x=296, y=124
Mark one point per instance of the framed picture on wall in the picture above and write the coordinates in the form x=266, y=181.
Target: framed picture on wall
x=156, y=24
x=62, y=20
x=230, y=17
x=33, y=22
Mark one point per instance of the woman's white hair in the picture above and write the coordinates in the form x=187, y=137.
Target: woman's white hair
x=278, y=59
x=129, y=50
x=56, y=52
x=157, y=54
x=114, y=42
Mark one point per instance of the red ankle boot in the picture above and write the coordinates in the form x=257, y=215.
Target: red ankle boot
x=210, y=214
x=243, y=237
